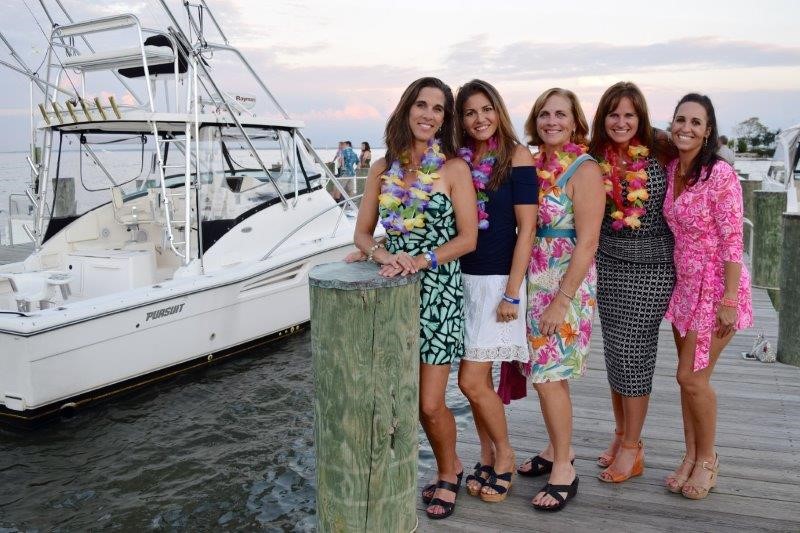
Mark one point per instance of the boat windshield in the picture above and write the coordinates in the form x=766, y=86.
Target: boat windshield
x=232, y=179
x=87, y=165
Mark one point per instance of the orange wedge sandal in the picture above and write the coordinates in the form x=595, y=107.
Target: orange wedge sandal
x=610, y=476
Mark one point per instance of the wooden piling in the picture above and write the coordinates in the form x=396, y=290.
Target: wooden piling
x=748, y=188
x=65, y=203
x=789, y=315
x=365, y=346
x=767, y=209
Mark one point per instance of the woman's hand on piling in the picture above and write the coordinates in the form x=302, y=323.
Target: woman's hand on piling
x=506, y=311
x=355, y=256
x=726, y=318
x=400, y=264
x=553, y=316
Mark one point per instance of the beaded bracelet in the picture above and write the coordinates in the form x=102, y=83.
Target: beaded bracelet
x=510, y=300
x=730, y=302
x=372, y=250
x=433, y=261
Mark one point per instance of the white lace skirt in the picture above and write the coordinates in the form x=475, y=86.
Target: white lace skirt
x=486, y=339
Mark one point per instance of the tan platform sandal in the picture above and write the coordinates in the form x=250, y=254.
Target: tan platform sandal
x=675, y=482
x=694, y=492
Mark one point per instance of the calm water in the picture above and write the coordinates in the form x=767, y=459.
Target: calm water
x=227, y=447
x=230, y=447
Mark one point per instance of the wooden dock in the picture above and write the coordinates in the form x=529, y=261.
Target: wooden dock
x=758, y=439
x=14, y=252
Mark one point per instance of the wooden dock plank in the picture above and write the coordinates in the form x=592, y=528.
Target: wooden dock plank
x=758, y=440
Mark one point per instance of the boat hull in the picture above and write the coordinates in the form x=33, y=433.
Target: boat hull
x=180, y=327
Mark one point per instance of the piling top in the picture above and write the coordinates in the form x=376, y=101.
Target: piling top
x=354, y=276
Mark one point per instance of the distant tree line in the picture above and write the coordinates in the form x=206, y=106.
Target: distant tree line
x=754, y=137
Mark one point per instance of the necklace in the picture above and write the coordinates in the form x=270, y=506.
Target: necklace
x=626, y=185
x=402, y=208
x=549, y=168
x=481, y=174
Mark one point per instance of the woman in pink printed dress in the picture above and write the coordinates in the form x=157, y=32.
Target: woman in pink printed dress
x=711, y=299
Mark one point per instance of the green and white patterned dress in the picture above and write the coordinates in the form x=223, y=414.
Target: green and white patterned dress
x=442, y=294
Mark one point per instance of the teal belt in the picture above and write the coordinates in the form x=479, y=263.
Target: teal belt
x=556, y=232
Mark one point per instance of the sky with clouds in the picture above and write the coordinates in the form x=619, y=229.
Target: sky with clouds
x=341, y=65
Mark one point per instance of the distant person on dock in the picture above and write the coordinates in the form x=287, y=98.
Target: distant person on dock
x=634, y=260
x=724, y=151
x=338, y=163
x=561, y=280
x=349, y=160
x=424, y=198
x=366, y=155
x=711, y=300
x=494, y=274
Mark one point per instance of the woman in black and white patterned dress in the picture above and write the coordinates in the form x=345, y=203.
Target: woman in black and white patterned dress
x=635, y=272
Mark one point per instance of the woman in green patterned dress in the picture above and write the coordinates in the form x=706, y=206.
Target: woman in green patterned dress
x=427, y=206
x=561, y=280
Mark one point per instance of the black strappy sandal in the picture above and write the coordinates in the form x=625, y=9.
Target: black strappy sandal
x=555, y=491
x=448, y=507
x=539, y=466
x=428, y=490
x=477, y=476
x=500, y=491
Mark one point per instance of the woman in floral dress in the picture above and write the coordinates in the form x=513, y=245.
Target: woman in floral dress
x=711, y=300
x=561, y=280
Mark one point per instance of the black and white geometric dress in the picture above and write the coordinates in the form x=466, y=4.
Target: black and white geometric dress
x=635, y=276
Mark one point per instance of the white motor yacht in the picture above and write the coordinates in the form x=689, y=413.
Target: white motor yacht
x=174, y=222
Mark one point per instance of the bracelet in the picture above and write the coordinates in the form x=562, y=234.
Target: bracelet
x=510, y=300
x=433, y=261
x=372, y=249
x=729, y=302
x=570, y=298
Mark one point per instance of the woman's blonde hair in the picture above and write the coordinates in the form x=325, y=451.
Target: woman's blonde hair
x=581, y=126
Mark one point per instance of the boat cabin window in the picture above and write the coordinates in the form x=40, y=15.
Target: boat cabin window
x=234, y=181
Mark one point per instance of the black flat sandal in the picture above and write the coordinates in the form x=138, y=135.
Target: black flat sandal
x=428, y=490
x=555, y=491
x=539, y=466
x=476, y=476
x=448, y=507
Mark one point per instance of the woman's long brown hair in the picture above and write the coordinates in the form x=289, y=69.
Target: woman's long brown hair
x=398, y=137
x=506, y=138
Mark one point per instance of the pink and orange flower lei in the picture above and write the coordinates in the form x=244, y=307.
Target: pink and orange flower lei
x=626, y=189
x=548, y=169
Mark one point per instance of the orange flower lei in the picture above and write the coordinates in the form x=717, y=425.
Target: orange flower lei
x=625, y=209
x=548, y=169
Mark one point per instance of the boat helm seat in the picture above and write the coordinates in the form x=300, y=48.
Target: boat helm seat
x=37, y=290
x=129, y=215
